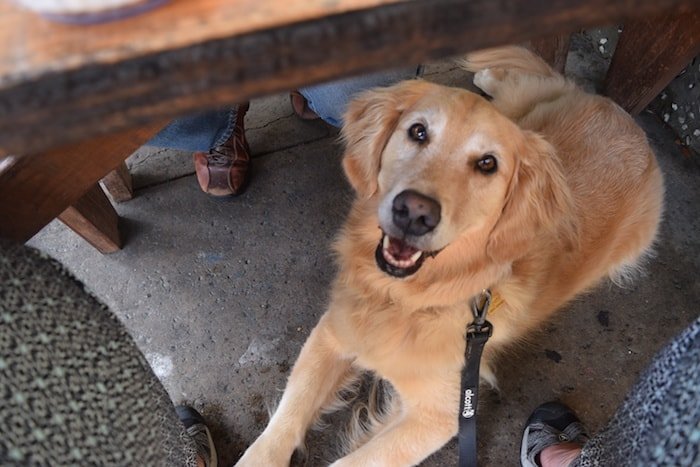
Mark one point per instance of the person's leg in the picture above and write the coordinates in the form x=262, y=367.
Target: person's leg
x=217, y=138
x=221, y=152
x=223, y=170
x=197, y=430
x=329, y=100
x=657, y=424
x=197, y=132
x=560, y=454
x=553, y=436
x=74, y=388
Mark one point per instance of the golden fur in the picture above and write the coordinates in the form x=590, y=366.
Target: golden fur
x=577, y=197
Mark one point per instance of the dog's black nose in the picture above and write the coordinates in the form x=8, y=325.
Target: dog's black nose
x=414, y=213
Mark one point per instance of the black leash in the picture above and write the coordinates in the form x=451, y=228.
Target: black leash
x=478, y=332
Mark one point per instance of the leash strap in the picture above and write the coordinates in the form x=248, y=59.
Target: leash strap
x=478, y=332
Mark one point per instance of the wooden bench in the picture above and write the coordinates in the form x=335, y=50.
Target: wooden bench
x=76, y=101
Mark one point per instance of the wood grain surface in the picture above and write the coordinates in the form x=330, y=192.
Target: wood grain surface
x=35, y=189
x=118, y=184
x=553, y=49
x=38, y=46
x=93, y=218
x=61, y=84
x=651, y=52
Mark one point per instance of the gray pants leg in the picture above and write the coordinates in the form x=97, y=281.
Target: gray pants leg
x=74, y=388
x=658, y=423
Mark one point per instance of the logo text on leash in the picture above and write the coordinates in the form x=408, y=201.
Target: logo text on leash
x=468, y=411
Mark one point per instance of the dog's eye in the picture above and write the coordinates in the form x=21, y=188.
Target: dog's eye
x=418, y=133
x=487, y=164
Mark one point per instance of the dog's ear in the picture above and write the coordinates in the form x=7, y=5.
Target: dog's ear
x=369, y=121
x=538, y=200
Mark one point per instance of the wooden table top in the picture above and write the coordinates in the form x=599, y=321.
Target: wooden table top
x=60, y=83
x=37, y=46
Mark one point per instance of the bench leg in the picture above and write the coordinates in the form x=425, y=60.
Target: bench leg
x=649, y=54
x=93, y=218
x=553, y=49
x=35, y=189
x=118, y=184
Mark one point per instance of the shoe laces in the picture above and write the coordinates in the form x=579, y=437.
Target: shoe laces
x=198, y=434
x=218, y=157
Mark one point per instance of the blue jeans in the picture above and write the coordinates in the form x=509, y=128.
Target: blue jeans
x=203, y=131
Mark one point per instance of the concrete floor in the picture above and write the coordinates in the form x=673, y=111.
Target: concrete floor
x=221, y=294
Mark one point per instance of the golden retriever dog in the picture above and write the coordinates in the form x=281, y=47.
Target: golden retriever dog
x=536, y=195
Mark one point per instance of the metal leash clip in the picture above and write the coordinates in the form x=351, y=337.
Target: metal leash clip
x=480, y=306
x=478, y=332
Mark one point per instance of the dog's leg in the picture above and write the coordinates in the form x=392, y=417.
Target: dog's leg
x=489, y=80
x=504, y=89
x=407, y=440
x=316, y=376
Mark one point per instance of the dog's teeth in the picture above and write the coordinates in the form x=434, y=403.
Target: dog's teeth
x=396, y=262
x=387, y=256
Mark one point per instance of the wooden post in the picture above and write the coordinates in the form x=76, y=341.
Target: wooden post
x=553, y=49
x=118, y=184
x=93, y=218
x=649, y=54
x=35, y=189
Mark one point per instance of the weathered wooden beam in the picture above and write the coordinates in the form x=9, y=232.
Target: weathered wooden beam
x=118, y=184
x=36, y=189
x=649, y=54
x=75, y=102
x=553, y=49
x=93, y=217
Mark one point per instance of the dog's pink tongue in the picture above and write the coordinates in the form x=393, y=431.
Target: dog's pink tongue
x=400, y=250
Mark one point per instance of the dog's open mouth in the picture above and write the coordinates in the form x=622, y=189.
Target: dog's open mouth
x=398, y=258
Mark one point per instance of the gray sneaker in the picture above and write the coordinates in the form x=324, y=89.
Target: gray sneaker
x=198, y=431
x=551, y=423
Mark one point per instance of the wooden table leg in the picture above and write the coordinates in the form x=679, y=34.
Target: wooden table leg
x=649, y=54
x=35, y=189
x=93, y=217
x=118, y=184
x=553, y=49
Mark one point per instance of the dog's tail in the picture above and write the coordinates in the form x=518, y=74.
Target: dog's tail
x=508, y=57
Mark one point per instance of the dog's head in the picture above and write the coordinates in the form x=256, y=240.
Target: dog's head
x=446, y=167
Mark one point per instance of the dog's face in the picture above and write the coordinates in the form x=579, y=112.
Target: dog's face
x=443, y=164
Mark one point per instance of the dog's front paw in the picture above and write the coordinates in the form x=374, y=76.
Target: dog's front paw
x=489, y=79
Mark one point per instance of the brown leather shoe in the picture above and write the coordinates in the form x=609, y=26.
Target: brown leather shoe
x=224, y=170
